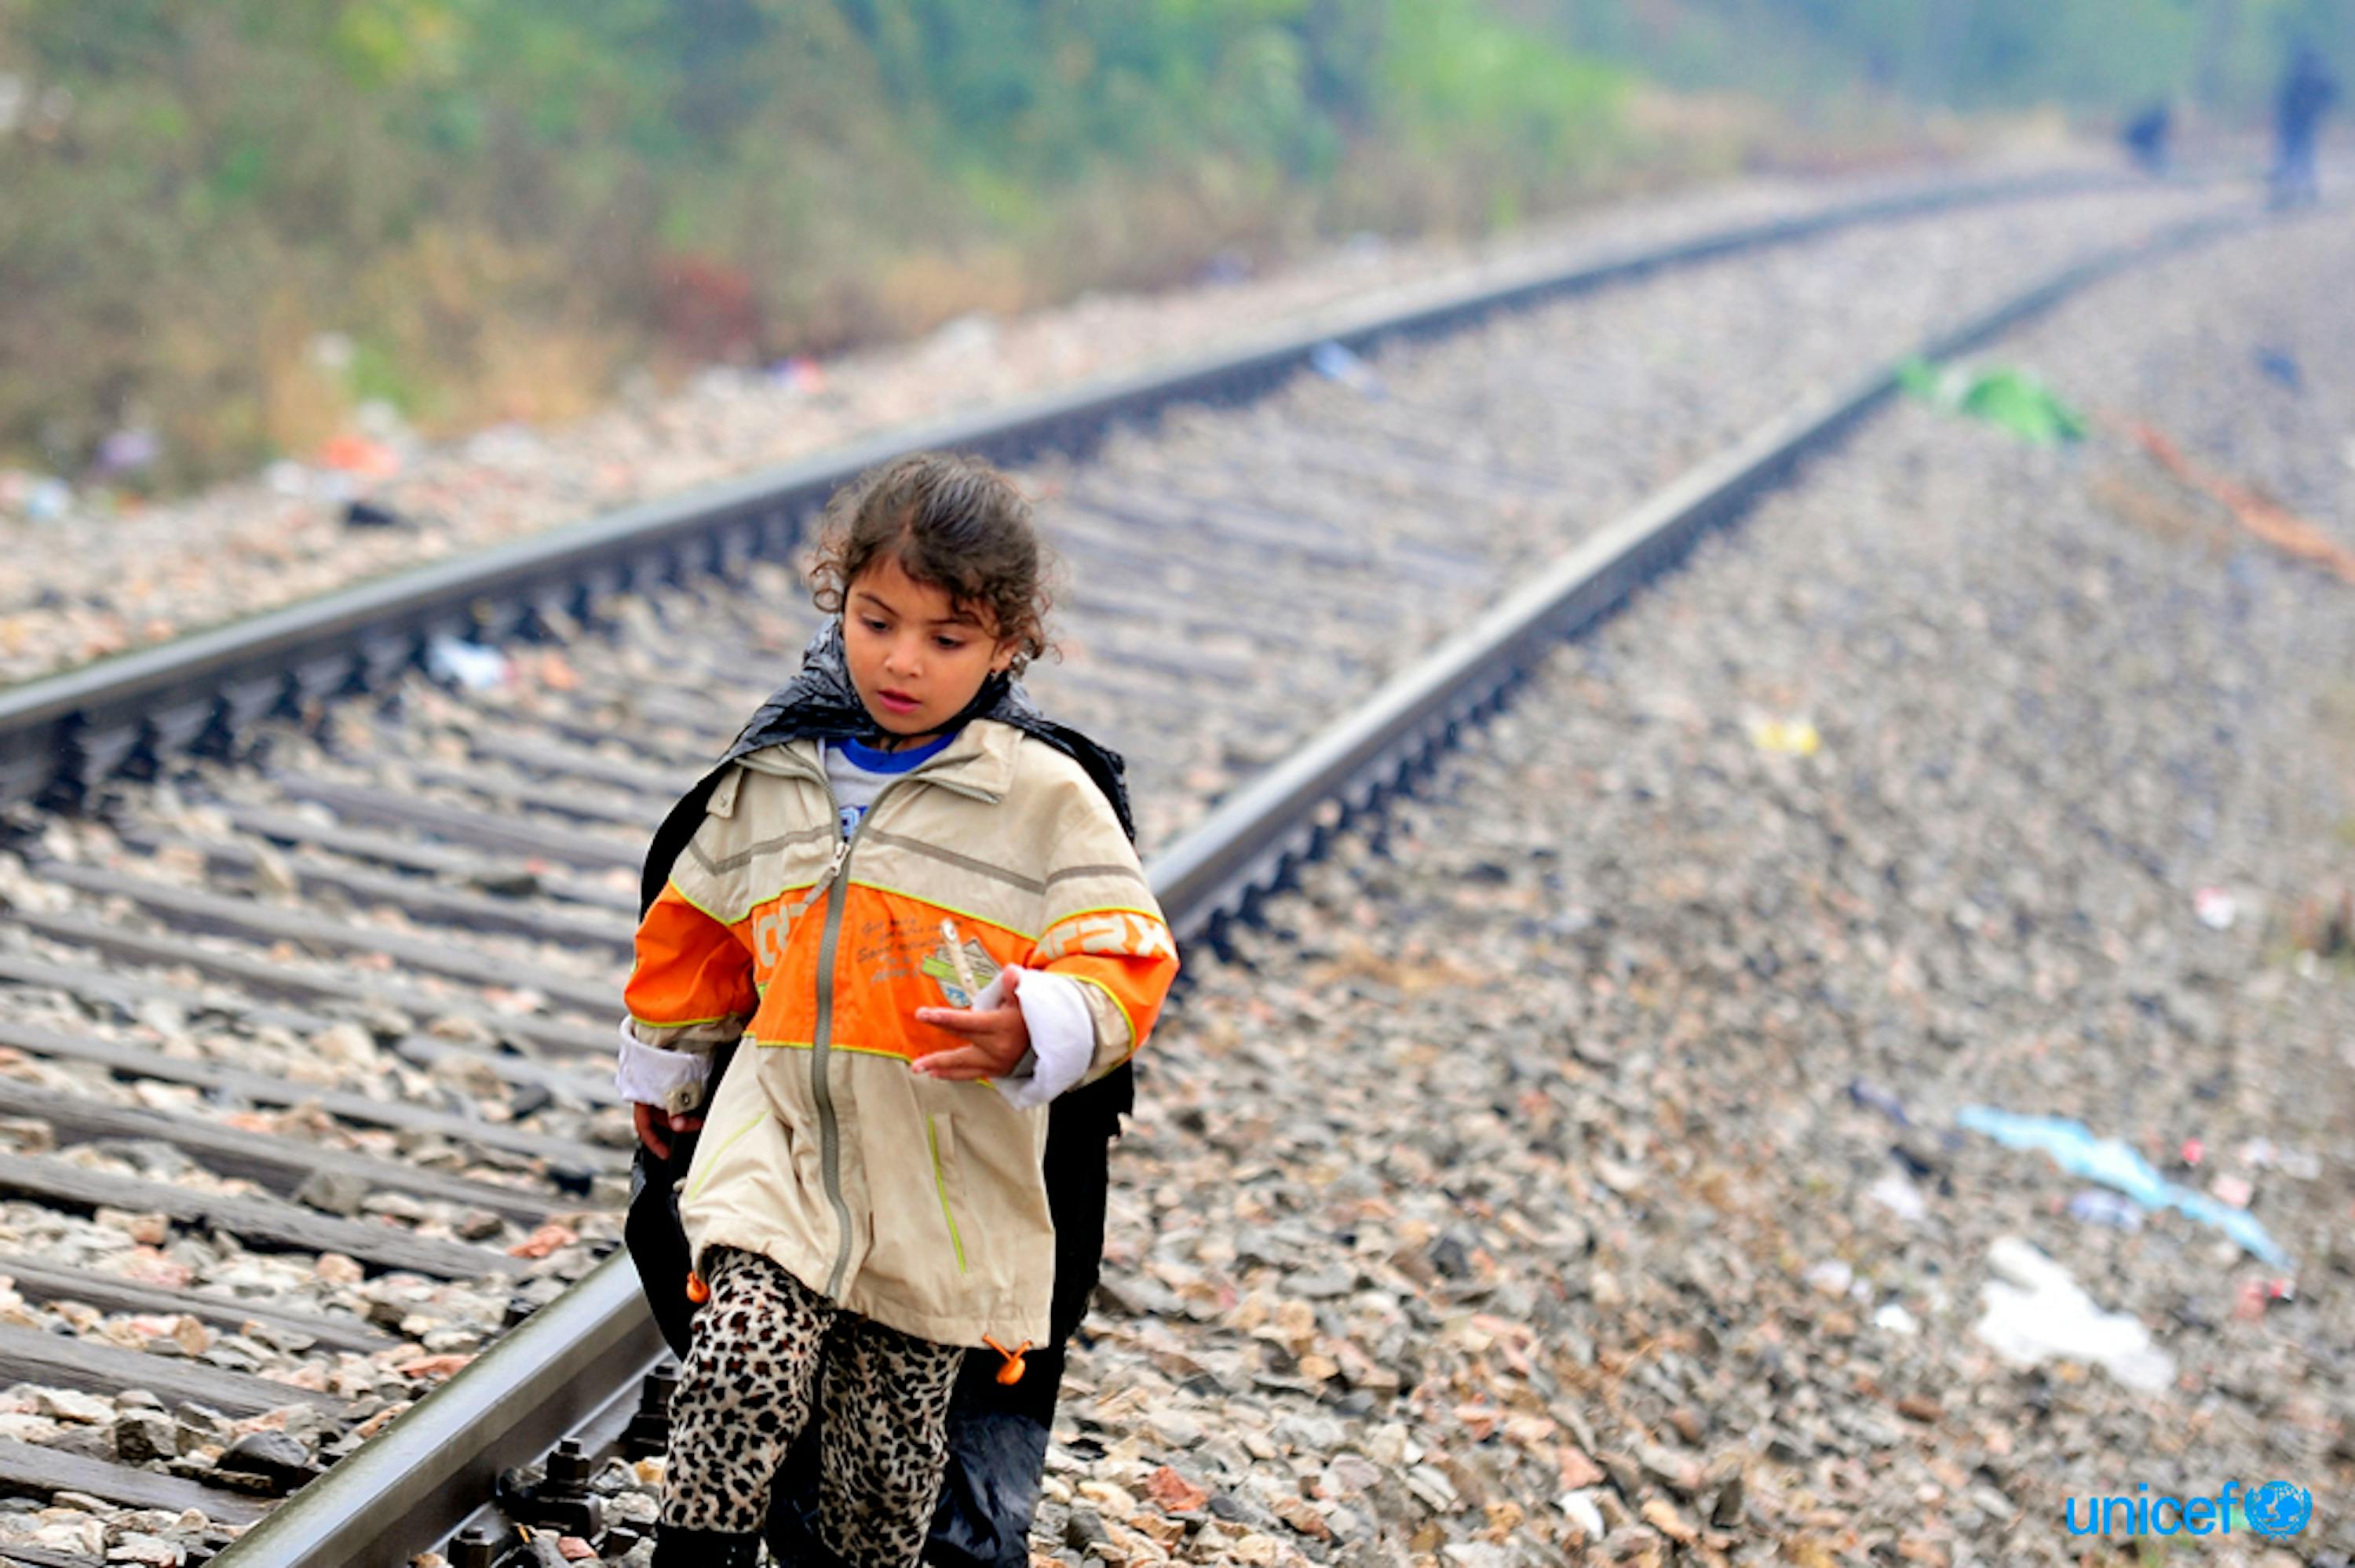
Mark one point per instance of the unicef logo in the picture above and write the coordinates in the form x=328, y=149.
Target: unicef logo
x=2277, y=1509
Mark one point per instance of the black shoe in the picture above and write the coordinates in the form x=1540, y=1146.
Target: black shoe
x=677, y=1548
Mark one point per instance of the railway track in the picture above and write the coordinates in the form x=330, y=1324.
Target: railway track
x=410, y=915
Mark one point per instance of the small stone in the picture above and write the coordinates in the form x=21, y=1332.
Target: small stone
x=231, y=1356
x=338, y=1192
x=1450, y=1257
x=1085, y=1529
x=1992, y=1503
x=1929, y=1553
x=334, y=1269
x=83, y=1537
x=547, y=1239
x=273, y=1457
x=1434, y=1488
x=1385, y=1446
x=391, y=1413
x=1138, y=1298
x=1315, y=1435
x=1174, y=1493
x=91, y=1442
x=26, y=1135
x=1637, y=1546
x=1110, y=1501
x=1350, y=1474
x=396, y=1207
x=1162, y=1530
x=65, y=1404
x=1622, y=1179
x=1301, y=1516
x=433, y=1369
x=148, y=1229
x=146, y=1552
x=1676, y=1472
x=1585, y=1517
x=1725, y=1513
x=1475, y=1554
x=1174, y=1429
x=1662, y=1516
x=1324, y=1284
x=142, y=1436
x=199, y=1426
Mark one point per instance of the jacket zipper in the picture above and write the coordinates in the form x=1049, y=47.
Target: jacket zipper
x=822, y=1044
x=832, y=882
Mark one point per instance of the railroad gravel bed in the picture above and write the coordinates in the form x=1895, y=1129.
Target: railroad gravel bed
x=1575, y=1174
x=128, y=581
x=1343, y=525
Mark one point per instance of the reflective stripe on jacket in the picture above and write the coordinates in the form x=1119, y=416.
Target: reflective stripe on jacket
x=916, y=1203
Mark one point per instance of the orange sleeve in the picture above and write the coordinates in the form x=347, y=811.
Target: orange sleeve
x=692, y=979
x=1124, y=962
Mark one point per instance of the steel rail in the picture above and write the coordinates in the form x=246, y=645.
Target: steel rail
x=406, y=1489
x=63, y=734
x=1212, y=871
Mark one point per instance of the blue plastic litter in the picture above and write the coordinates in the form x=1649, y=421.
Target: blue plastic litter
x=2282, y=366
x=128, y=451
x=468, y=664
x=2107, y=1160
x=1334, y=361
x=50, y=500
x=2099, y=1206
x=1872, y=1096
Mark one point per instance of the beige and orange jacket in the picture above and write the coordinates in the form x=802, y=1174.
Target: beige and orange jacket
x=917, y=1203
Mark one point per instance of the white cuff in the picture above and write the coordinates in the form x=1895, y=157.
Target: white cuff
x=1062, y=1037
x=650, y=1075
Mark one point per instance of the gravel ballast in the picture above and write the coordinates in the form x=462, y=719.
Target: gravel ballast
x=1583, y=1160
x=1985, y=884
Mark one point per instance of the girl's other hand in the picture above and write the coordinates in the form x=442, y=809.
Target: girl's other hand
x=999, y=1037
x=658, y=1127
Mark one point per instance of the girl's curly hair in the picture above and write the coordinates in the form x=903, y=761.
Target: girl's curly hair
x=952, y=522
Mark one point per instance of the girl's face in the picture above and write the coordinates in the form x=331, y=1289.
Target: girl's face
x=915, y=658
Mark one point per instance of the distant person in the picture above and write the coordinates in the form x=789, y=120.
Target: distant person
x=2146, y=136
x=2307, y=90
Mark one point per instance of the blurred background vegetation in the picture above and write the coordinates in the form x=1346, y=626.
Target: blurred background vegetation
x=490, y=209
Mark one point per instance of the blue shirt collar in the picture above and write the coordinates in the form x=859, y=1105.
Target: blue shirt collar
x=869, y=759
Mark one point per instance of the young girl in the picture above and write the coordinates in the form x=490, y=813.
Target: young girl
x=924, y=917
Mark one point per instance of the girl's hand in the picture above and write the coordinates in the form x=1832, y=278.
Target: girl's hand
x=998, y=1038
x=656, y=1128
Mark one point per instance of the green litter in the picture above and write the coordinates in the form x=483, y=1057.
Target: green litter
x=2015, y=401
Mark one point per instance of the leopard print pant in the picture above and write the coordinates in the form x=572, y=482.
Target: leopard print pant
x=745, y=1393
